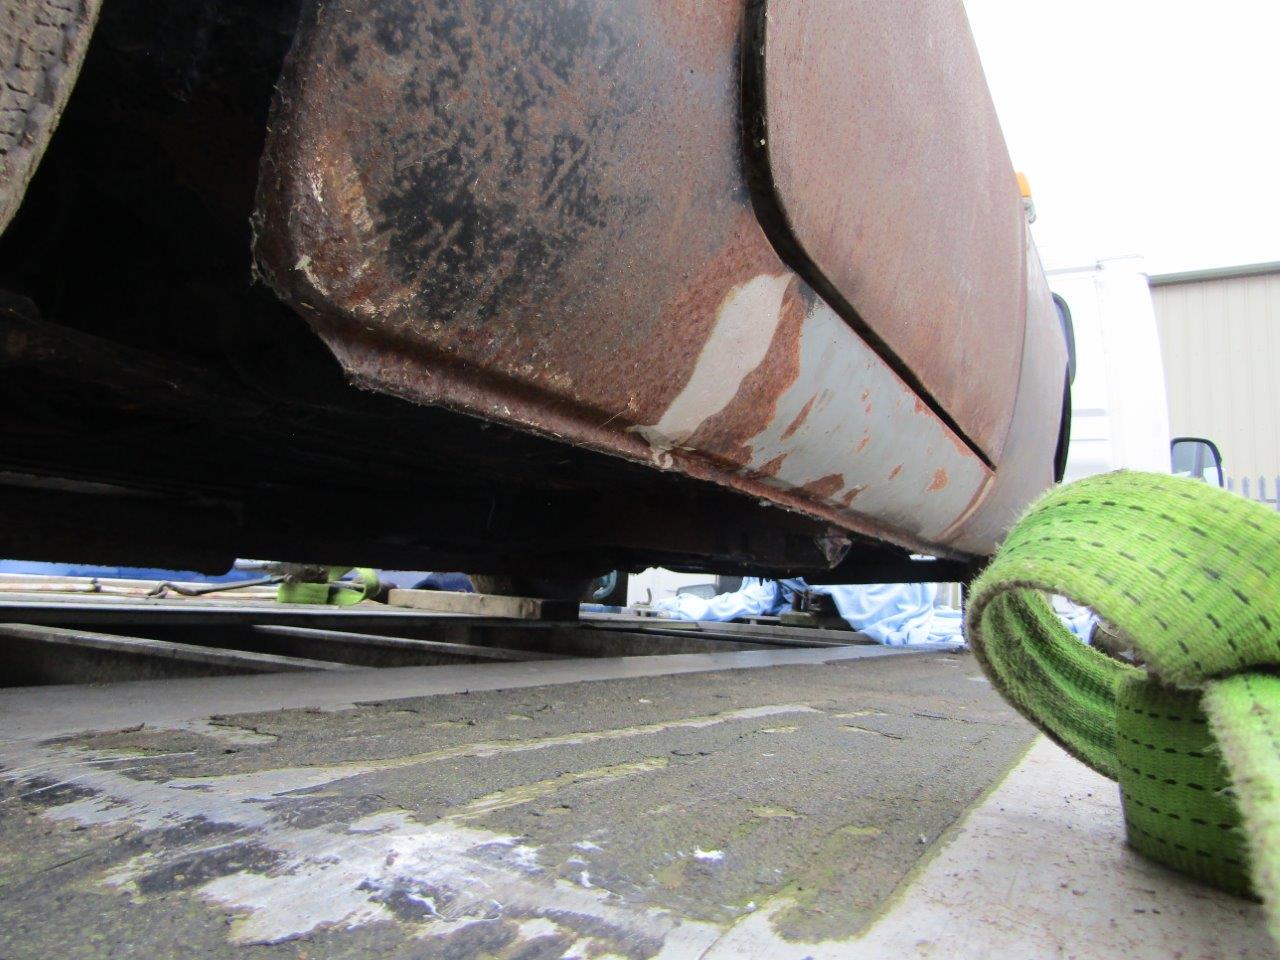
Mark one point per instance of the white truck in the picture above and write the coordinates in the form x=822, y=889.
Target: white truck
x=1119, y=407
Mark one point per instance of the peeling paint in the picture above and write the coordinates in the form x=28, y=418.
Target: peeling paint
x=738, y=342
x=829, y=449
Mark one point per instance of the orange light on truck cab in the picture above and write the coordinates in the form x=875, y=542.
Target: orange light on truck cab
x=1024, y=191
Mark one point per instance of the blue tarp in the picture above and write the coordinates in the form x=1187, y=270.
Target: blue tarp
x=755, y=598
x=895, y=614
x=32, y=567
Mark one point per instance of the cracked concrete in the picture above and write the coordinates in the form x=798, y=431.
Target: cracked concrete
x=634, y=817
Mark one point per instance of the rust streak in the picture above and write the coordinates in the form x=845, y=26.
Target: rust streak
x=824, y=488
x=895, y=471
x=849, y=497
x=771, y=468
x=940, y=480
x=800, y=419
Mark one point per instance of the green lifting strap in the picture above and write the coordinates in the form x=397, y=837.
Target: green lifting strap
x=1190, y=575
x=336, y=592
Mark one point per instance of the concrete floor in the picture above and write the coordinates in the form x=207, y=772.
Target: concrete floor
x=791, y=804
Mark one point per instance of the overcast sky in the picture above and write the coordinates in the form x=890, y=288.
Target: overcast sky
x=1145, y=126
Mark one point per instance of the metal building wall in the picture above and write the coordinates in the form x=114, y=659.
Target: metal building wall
x=1220, y=336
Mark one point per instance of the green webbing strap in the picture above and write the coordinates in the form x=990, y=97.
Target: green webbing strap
x=1190, y=576
x=335, y=591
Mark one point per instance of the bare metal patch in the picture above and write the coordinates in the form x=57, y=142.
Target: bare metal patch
x=739, y=341
x=821, y=440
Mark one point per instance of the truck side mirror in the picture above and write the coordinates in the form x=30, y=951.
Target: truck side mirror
x=1196, y=457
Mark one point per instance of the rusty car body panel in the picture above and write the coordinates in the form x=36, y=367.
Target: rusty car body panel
x=667, y=255
x=591, y=266
x=891, y=174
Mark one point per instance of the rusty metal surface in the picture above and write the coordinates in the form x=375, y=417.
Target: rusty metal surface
x=1028, y=459
x=892, y=176
x=538, y=214
x=42, y=44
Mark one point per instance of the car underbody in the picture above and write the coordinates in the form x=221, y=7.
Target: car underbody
x=426, y=285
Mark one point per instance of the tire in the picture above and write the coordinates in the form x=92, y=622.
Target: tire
x=42, y=44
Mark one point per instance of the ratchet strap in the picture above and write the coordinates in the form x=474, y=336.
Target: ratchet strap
x=1189, y=575
x=334, y=590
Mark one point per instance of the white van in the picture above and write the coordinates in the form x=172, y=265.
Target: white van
x=1119, y=408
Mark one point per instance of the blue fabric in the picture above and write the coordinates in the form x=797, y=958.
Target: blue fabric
x=122, y=573
x=450, y=582
x=1079, y=620
x=895, y=614
x=755, y=598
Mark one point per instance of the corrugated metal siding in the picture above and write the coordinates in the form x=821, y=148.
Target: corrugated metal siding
x=1221, y=351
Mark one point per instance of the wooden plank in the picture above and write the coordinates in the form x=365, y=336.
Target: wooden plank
x=484, y=605
x=21, y=583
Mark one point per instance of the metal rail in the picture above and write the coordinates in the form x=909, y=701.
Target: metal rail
x=48, y=639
